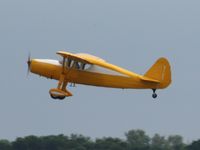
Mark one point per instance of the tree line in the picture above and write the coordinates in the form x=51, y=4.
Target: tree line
x=135, y=140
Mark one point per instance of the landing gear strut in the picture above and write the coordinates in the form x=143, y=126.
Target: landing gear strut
x=154, y=95
x=60, y=92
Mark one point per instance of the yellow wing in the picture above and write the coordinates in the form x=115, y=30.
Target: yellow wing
x=100, y=62
x=90, y=59
x=72, y=56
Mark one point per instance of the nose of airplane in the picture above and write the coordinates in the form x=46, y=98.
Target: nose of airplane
x=44, y=67
x=29, y=64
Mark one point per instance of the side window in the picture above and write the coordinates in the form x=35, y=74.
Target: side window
x=77, y=65
x=69, y=63
x=63, y=61
x=82, y=66
x=87, y=66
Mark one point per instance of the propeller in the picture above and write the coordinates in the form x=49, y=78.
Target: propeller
x=28, y=63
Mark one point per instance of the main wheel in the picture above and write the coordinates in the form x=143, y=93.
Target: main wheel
x=154, y=95
x=54, y=97
x=61, y=97
x=57, y=97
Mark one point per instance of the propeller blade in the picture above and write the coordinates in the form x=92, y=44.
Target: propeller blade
x=28, y=63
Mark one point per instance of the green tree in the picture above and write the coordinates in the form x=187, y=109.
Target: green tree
x=19, y=144
x=5, y=145
x=40, y=143
x=137, y=140
x=176, y=142
x=27, y=143
x=80, y=142
x=110, y=144
x=159, y=143
x=54, y=142
x=194, y=146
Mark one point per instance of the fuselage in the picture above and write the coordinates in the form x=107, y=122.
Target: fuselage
x=91, y=75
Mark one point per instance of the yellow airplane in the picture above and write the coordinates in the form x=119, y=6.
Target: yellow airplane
x=91, y=70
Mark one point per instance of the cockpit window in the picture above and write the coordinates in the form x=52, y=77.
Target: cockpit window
x=69, y=63
x=87, y=66
x=76, y=65
x=83, y=66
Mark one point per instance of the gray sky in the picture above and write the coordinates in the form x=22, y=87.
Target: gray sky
x=128, y=33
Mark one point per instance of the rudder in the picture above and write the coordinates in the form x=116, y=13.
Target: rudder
x=160, y=71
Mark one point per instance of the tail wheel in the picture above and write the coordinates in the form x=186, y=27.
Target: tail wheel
x=154, y=95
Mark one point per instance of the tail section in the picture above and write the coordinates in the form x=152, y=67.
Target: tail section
x=161, y=72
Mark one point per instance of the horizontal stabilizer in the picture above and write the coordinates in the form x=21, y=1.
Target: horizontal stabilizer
x=149, y=79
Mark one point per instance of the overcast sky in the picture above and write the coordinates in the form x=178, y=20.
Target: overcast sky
x=130, y=33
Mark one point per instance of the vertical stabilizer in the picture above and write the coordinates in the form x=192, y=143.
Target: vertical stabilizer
x=160, y=71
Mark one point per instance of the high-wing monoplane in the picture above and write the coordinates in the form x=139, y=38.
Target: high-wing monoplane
x=91, y=70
